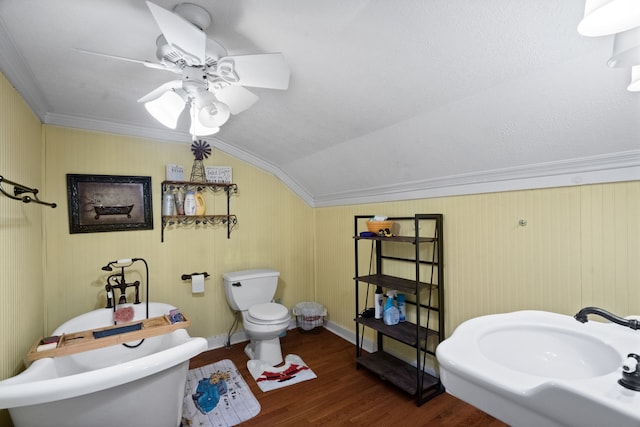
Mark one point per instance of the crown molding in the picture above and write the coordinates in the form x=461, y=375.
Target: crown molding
x=15, y=69
x=614, y=167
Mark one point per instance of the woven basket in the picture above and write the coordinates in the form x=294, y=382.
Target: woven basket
x=376, y=226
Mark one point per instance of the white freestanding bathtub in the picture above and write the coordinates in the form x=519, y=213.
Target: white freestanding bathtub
x=111, y=386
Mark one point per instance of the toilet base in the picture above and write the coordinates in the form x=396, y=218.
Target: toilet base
x=266, y=350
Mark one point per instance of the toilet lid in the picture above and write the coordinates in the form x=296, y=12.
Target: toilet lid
x=268, y=311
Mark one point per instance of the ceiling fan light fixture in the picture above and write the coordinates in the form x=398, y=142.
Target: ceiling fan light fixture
x=605, y=17
x=198, y=129
x=214, y=114
x=635, y=79
x=626, y=49
x=166, y=108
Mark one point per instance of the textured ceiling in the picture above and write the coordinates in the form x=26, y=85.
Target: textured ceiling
x=387, y=99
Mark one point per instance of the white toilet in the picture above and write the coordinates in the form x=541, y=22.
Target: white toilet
x=250, y=292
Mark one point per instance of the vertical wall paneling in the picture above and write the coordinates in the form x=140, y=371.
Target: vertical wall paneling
x=21, y=276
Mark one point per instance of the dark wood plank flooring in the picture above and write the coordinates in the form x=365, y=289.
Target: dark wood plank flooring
x=342, y=395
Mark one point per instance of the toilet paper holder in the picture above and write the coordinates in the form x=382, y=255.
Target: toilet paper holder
x=188, y=276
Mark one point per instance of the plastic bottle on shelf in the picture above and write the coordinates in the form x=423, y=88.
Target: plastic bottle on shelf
x=190, y=203
x=179, y=202
x=379, y=303
x=201, y=205
x=391, y=315
x=167, y=203
x=402, y=309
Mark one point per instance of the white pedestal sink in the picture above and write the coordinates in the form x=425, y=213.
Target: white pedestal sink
x=534, y=368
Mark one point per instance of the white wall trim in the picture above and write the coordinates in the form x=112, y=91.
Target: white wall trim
x=219, y=341
x=613, y=167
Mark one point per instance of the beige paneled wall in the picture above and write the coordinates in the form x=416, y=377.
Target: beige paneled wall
x=21, y=298
x=580, y=246
x=274, y=231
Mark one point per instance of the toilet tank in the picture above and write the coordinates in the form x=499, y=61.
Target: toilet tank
x=249, y=287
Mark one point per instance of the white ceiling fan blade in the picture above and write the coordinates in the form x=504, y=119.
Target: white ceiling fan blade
x=268, y=70
x=180, y=33
x=157, y=92
x=122, y=58
x=237, y=98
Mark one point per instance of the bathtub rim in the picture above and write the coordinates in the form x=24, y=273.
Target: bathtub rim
x=16, y=393
x=25, y=388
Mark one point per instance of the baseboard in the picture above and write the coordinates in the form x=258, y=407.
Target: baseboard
x=349, y=335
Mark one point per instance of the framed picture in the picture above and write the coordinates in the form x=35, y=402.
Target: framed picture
x=219, y=174
x=109, y=203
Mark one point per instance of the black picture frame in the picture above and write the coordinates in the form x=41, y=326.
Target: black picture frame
x=99, y=203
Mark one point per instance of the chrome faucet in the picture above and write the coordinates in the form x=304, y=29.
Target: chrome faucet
x=581, y=317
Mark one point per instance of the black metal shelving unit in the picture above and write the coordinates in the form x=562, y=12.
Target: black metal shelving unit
x=424, y=289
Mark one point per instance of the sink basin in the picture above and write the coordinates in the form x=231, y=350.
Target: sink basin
x=542, y=369
x=549, y=352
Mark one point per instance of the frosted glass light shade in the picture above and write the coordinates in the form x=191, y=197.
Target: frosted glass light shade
x=635, y=79
x=166, y=108
x=605, y=17
x=198, y=129
x=214, y=114
x=626, y=49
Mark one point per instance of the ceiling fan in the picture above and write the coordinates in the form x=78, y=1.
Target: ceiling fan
x=211, y=82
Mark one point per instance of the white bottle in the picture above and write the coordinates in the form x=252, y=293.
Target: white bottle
x=379, y=303
x=168, y=203
x=190, y=203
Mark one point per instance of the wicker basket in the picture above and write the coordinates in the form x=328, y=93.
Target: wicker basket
x=376, y=226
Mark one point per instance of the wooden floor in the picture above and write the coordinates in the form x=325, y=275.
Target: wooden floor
x=342, y=395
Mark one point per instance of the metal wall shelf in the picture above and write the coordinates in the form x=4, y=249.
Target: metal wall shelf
x=229, y=219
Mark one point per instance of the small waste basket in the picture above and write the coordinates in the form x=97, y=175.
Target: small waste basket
x=309, y=315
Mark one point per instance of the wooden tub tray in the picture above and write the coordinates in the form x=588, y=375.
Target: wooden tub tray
x=93, y=339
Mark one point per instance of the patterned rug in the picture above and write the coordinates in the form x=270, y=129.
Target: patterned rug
x=217, y=395
x=269, y=378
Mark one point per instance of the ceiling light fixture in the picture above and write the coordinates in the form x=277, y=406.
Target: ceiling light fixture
x=605, y=17
x=622, y=18
x=166, y=108
x=197, y=127
x=635, y=79
x=626, y=49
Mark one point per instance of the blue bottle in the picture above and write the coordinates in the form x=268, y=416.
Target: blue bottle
x=402, y=309
x=391, y=315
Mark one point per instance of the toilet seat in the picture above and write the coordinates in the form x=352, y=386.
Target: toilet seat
x=267, y=313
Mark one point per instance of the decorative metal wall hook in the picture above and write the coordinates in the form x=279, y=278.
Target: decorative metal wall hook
x=19, y=190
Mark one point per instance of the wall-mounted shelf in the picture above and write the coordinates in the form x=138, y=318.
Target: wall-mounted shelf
x=228, y=189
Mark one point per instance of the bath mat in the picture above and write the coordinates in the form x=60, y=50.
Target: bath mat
x=217, y=395
x=293, y=371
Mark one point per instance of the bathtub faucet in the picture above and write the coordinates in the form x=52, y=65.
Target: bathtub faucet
x=581, y=317
x=117, y=281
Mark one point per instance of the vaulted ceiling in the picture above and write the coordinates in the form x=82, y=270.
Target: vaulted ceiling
x=387, y=100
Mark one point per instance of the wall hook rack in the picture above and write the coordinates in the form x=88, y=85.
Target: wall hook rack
x=19, y=191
